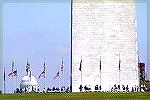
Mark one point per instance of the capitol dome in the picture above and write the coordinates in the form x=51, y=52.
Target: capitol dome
x=29, y=83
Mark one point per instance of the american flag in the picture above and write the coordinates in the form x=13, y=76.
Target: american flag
x=80, y=65
x=57, y=75
x=14, y=73
x=100, y=64
x=119, y=63
x=43, y=72
x=4, y=75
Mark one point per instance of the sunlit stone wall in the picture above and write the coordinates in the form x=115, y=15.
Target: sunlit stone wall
x=104, y=30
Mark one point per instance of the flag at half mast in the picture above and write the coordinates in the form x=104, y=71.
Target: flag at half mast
x=4, y=75
x=119, y=63
x=43, y=72
x=57, y=75
x=13, y=72
x=100, y=64
x=80, y=68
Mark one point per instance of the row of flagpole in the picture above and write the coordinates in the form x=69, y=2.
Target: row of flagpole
x=62, y=72
x=43, y=73
x=80, y=69
x=14, y=72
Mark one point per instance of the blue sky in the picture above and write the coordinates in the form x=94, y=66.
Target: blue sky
x=43, y=30
x=141, y=8
x=36, y=31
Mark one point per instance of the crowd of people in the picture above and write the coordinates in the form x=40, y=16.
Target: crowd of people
x=115, y=88
x=45, y=90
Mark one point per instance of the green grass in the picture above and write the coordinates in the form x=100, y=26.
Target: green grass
x=78, y=96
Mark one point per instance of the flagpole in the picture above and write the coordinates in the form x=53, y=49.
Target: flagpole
x=63, y=73
x=81, y=77
x=44, y=74
x=62, y=69
x=62, y=79
x=30, y=81
x=4, y=81
x=28, y=86
x=15, y=83
x=81, y=70
x=119, y=70
x=28, y=74
x=100, y=72
x=59, y=84
x=119, y=79
x=16, y=78
x=45, y=81
x=12, y=75
x=44, y=84
x=12, y=83
x=27, y=70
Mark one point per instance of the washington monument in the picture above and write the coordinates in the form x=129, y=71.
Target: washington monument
x=104, y=45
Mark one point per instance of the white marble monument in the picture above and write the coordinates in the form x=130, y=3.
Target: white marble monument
x=104, y=31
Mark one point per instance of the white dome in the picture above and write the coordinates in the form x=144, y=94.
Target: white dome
x=26, y=81
x=29, y=82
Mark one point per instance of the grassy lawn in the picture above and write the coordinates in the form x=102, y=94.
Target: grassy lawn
x=78, y=96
